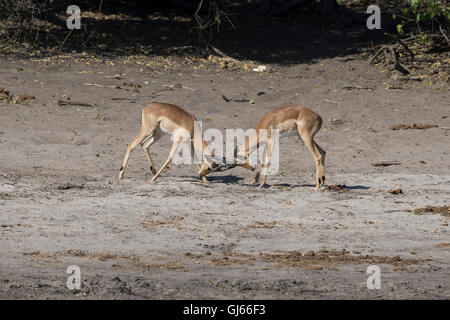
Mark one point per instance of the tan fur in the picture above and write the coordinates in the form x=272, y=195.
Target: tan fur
x=287, y=119
x=164, y=118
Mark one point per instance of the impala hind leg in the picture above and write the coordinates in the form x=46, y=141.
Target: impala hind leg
x=174, y=148
x=321, y=170
x=319, y=156
x=146, y=147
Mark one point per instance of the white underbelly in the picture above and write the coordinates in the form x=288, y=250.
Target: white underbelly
x=164, y=130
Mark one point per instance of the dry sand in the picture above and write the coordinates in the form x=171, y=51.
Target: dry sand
x=61, y=203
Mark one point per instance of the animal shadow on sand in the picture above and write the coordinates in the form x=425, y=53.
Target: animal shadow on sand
x=305, y=185
x=234, y=180
x=228, y=179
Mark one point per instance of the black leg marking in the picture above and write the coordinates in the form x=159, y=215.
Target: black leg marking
x=319, y=181
x=323, y=179
x=121, y=168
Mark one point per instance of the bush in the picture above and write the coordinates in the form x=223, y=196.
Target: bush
x=425, y=18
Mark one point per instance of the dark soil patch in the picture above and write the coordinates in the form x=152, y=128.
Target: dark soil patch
x=68, y=186
x=6, y=96
x=386, y=163
x=442, y=210
x=309, y=260
x=396, y=191
x=403, y=126
x=331, y=259
x=338, y=187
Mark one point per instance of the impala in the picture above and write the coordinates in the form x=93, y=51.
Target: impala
x=288, y=119
x=163, y=118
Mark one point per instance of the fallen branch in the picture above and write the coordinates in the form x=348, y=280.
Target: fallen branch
x=386, y=163
x=116, y=76
x=119, y=99
x=356, y=87
x=101, y=85
x=73, y=103
x=236, y=100
x=408, y=55
x=331, y=101
x=376, y=54
x=443, y=33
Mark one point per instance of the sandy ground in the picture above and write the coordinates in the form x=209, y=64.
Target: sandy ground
x=61, y=203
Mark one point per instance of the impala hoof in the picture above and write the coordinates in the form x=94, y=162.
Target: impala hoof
x=320, y=182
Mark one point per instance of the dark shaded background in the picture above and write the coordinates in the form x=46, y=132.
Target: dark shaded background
x=269, y=31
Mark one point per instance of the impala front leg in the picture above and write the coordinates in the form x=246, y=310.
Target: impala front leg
x=260, y=165
x=258, y=173
x=169, y=159
x=266, y=163
x=199, y=168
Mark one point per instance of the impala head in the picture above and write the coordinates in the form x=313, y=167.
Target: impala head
x=242, y=160
x=210, y=164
